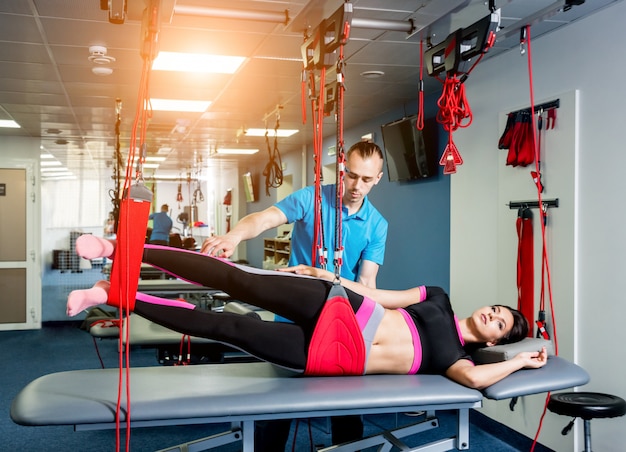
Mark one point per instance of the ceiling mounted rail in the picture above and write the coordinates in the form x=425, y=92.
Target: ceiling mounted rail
x=380, y=24
x=536, y=17
x=222, y=13
x=406, y=26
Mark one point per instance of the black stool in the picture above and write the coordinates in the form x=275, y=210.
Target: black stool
x=586, y=405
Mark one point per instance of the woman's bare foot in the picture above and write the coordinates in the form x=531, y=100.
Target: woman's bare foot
x=79, y=300
x=91, y=247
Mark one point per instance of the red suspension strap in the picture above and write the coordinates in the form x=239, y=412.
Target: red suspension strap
x=341, y=160
x=303, y=95
x=318, y=52
x=419, y=124
x=536, y=175
x=319, y=251
x=455, y=111
x=134, y=212
x=545, y=266
x=525, y=265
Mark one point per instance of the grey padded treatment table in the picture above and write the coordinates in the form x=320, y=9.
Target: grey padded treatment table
x=243, y=393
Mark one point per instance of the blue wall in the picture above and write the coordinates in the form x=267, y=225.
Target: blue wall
x=418, y=212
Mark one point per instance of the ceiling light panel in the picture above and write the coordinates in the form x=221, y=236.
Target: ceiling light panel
x=236, y=151
x=50, y=163
x=197, y=106
x=9, y=124
x=197, y=62
x=270, y=133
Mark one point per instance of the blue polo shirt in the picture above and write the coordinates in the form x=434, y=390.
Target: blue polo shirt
x=363, y=234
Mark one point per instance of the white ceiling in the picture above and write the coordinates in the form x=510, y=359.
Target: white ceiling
x=48, y=87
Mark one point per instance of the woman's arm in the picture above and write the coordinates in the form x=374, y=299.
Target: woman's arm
x=482, y=375
x=390, y=299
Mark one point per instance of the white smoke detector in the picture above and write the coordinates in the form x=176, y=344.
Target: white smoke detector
x=98, y=55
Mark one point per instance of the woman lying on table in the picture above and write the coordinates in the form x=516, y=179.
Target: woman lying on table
x=337, y=330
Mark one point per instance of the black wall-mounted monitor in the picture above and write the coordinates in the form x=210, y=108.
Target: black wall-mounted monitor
x=410, y=153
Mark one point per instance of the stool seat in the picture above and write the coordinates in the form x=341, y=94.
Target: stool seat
x=587, y=405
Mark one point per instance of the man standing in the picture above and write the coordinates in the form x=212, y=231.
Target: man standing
x=161, y=226
x=364, y=233
x=364, y=228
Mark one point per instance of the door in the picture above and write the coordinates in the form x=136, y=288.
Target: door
x=20, y=286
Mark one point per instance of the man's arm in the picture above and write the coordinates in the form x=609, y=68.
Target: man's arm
x=367, y=273
x=249, y=227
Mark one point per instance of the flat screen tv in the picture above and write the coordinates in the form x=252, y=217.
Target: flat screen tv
x=410, y=154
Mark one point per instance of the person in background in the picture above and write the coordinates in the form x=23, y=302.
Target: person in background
x=364, y=233
x=161, y=226
x=109, y=226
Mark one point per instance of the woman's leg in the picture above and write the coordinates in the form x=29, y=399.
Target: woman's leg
x=297, y=298
x=79, y=300
x=82, y=299
x=280, y=343
x=91, y=247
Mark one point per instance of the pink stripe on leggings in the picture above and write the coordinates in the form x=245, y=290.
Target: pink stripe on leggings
x=164, y=301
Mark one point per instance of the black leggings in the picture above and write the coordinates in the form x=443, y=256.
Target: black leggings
x=296, y=298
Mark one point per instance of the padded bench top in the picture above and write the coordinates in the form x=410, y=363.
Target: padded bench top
x=558, y=373
x=228, y=392
x=260, y=391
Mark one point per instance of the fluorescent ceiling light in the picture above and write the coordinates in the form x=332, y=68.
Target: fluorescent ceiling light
x=196, y=62
x=270, y=133
x=46, y=156
x=59, y=178
x=57, y=174
x=165, y=176
x=151, y=165
x=50, y=163
x=9, y=124
x=53, y=169
x=233, y=151
x=197, y=106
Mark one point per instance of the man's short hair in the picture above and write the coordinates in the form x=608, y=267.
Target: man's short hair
x=366, y=149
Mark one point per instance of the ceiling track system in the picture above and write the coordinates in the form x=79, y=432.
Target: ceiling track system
x=407, y=26
x=537, y=17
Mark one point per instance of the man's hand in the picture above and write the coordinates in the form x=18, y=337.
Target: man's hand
x=309, y=271
x=219, y=245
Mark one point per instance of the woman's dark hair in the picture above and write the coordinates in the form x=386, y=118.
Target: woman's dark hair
x=519, y=330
